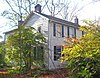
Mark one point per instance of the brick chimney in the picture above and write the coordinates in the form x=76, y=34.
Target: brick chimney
x=76, y=20
x=38, y=8
x=20, y=23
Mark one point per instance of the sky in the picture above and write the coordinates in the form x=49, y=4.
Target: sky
x=3, y=20
x=90, y=12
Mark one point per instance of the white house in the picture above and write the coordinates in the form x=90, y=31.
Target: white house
x=55, y=31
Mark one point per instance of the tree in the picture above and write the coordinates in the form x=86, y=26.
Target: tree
x=2, y=60
x=54, y=8
x=20, y=9
x=65, y=9
x=30, y=39
x=83, y=54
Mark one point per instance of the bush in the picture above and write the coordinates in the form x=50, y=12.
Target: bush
x=83, y=55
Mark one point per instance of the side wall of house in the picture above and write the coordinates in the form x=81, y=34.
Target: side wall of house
x=7, y=34
x=41, y=25
x=54, y=41
x=37, y=21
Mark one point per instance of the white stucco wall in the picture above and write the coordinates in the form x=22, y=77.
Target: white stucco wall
x=36, y=21
x=57, y=41
x=54, y=41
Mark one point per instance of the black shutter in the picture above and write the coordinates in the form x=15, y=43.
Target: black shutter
x=62, y=30
x=74, y=32
x=68, y=31
x=54, y=29
x=55, y=53
x=82, y=33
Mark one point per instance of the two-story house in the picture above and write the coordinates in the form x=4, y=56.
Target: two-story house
x=55, y=31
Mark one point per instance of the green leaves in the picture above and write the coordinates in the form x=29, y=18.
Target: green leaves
x=2, y=60
x=30, y=39
x=83, y=55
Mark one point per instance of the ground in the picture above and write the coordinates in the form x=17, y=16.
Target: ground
x=58, y=73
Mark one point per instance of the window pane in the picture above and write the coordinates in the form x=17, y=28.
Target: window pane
x=58, y=48
x=65, y=31
x=59, y=30
x=57, y=52
x=71, y=32
x=78, y=33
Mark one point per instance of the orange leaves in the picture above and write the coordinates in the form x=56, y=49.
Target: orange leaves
x=70, y=42
x=4, y=73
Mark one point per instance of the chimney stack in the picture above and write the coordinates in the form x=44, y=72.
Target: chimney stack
x=76, y=20
x=20, y=23
x=38, y=8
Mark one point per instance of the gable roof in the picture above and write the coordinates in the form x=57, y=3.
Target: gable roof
x=52, y=18
x=59, y=20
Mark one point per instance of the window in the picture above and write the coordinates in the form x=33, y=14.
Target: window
x=57, y=52
x=66, y=31
x=38, y=53
x=58, y=30
x=78, y=33
x=72, y=32
x=39, y=29
x=84, y=32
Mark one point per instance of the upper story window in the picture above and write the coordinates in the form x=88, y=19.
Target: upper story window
x=66, y=31
x=72, y=32
x=58, y=30
x=79, y=33
x=39, y=29
x=63, y=31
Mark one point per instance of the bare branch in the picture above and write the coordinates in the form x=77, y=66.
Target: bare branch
x=46, y=2
x=75, y=10
x=29, y=5
x=19, y=5
x=60, y=10
x=53, y=10
x=24, y=9
x=48, y=7
x=11, y=7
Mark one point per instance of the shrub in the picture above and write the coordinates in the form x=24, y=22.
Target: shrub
x=83, y=55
